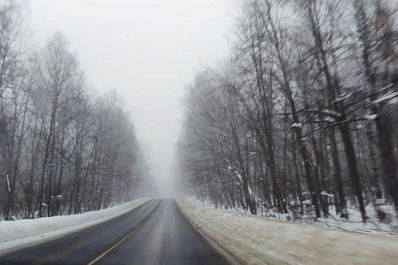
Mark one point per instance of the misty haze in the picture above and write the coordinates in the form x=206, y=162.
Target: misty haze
x=183, y=132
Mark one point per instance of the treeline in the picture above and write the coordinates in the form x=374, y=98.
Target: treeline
x=62, y=149
x=302, y=114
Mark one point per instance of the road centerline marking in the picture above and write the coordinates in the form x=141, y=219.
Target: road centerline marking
x=137, y=227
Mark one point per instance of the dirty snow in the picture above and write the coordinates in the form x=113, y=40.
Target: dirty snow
x=14, y=234
x=258, y=240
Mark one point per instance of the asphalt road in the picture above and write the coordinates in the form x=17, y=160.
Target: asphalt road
x=154, y=233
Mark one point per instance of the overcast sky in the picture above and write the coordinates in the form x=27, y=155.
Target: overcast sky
x=148, y=50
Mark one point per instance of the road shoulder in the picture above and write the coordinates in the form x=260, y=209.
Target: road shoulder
x=257, y=240
x=25, y=233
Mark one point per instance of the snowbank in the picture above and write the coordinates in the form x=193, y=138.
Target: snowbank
x=14, y=234
x=355, y=224
x=389, y=227
x=256, y=240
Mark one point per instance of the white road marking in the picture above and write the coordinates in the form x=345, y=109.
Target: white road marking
x=125, y=238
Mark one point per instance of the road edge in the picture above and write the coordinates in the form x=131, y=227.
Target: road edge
x=230, y=257
x=48, y=237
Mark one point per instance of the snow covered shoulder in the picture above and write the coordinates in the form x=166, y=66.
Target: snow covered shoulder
x=15, y=234
x=256, y=240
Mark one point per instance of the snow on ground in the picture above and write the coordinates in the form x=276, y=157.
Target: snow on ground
x=355, y=224
x=15, y=234
x=257, y=240
x=373, y=226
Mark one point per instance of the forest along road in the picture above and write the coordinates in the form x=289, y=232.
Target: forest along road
x=154, y=233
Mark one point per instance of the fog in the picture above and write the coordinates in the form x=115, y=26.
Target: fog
x=148, y=50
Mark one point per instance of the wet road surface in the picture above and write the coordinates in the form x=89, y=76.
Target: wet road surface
x=154, y=233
